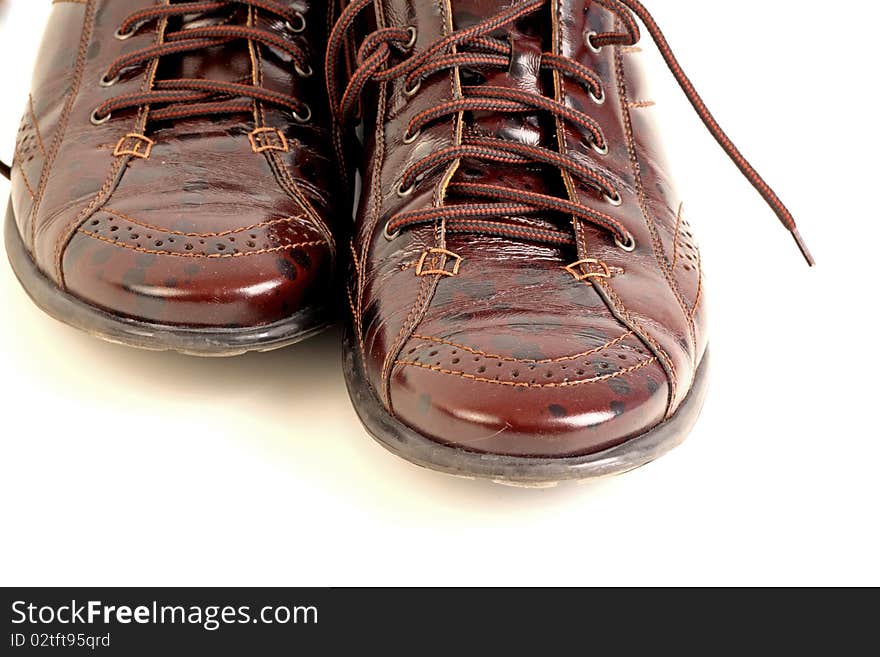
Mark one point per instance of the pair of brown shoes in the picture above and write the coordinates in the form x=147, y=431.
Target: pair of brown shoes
x=525, y=294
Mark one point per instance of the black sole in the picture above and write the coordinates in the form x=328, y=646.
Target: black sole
x=412, y=446
x=192, y=341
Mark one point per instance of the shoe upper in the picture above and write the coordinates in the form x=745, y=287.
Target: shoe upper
x=485, y=330
x=203, y=205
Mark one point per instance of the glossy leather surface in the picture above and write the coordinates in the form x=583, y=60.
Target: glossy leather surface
x=212, y=228
x=512, y=353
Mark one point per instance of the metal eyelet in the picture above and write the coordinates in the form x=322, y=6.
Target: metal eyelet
x=413, y=36
x=122, y=36
x=99, y=120
x=629, y=246
x=104, y=82
x=601, y=151
x=303, y=118
x=615, y=200
x=588, y=41
x=598, y=100
x=412, y=91
x=304, y=73
x=390, y=236
x=403, y=193
x=410, y=138
x=299, y=27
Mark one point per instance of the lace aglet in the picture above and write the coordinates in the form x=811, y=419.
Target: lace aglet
x=5, y=170
x=802, y=245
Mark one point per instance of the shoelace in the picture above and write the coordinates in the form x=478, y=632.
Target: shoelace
x=474, y=47
x=183, y=98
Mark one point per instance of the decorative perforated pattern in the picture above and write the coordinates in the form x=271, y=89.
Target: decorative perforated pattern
x=605, y=362
x=267, y=237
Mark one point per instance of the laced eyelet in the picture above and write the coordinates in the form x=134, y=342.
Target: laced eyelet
x=588, y=41
x=413, y=36
x=598, y=100
x=601, y=151
x=629, y=246
x=615, y=200
x=122, y=36
x=412, y=91
x=104, y=82
x=410, y=138
x=307, y=72
x=390, y=236
x=99, y=120
x=303, y=118
x=298, y=26
x=403, y=193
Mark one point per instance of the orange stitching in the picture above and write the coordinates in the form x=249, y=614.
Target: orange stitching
x=510, y=359
x=267, y=144
x=199, y=255
x=354, y=257
x=699, y=284
x=585, y=275
x=63, y=122
x=350, y=300
x=667, y=360
x=135, y=150
x=224, y=233
x=675, y=239
x=520, y=384
x=420, y=267
x=656, y=243
x=398, y=341
x=640, y=104
x=36, y=125
x=24, y=177
x=119, y=163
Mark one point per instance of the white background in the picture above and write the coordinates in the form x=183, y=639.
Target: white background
x=121, y=467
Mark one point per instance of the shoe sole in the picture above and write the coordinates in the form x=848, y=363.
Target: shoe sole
x=193, y=341
x=416, y=448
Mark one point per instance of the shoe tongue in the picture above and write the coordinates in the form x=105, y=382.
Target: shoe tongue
x=229, y=62
x=528, y=38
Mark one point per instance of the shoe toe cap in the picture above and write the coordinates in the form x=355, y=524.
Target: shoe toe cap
x=261, y=273
x=523, y=404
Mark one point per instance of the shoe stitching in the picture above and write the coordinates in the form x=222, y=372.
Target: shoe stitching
x=36, y=125
x=510, y=359
x=117, y=169
x=646, y=336
x=224, y=233
x=132, y=247
x=675, y=238
x=277, y=163
x=521, y=384
x=659, y=252
x=63, y=121
x=699, y=284
x=24, y=176
x=428, y=284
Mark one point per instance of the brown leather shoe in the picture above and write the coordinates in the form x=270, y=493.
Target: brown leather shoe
x=527, y=296
x=170, y=184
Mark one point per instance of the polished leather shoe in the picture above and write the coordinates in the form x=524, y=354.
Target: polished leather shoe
x=170, y=187
x=527, y=297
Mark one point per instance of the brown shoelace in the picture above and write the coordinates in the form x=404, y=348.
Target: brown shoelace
x=183, y=98
x=475, y=48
